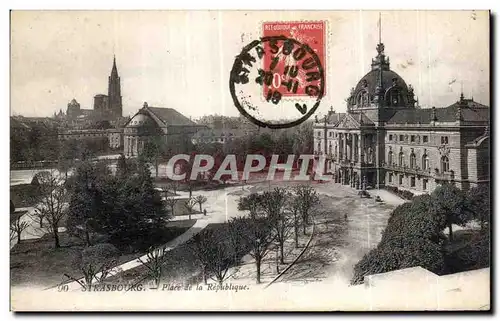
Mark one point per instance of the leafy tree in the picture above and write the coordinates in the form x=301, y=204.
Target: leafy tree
x=307, y=197
x=414, y=218
x=86, y=199
x=479, y=201
x=200, y=199
x=96, y=263
x=450, y=206
x=274, y=205
x=131, y=210
x=153, y=151
x=52, y=205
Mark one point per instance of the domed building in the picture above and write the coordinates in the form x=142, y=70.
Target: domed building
x=386, y=139
x=164, y=126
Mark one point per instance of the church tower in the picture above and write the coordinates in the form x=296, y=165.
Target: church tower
x=114, y=93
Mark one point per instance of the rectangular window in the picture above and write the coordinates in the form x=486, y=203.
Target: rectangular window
x=424, y=184
x=400, y=179
x=412, y=181
x=444, y=139
x=390, y=178
x=401, y=138
x=390, y=138
x=412, y=138
x=425, y=139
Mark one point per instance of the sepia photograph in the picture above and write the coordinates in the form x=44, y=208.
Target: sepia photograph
x=273, y=160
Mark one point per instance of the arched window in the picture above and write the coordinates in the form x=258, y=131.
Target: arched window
x=445, y=164
x=413, y=160
x=425, y=161
x=330, y=148
x=389, y=158
x=319, y=147
x=401, y=160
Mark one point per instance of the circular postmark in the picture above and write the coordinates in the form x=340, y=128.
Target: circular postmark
x=277, y=82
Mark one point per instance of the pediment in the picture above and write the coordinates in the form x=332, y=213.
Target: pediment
x=348, y=122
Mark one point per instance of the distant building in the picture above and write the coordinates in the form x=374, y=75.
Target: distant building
x=165, y=125
x=106, y=107
x=114, y=135
x=217, y=135
x=385, y=139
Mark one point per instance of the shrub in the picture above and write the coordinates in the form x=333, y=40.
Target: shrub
x=474, y=255
x=414, y=219
x=398, y=253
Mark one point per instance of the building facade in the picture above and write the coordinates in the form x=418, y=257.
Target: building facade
x=386, y=139
x=166, y=127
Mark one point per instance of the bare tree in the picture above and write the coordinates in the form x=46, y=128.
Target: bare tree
x=17, y=226
x=52, y=205
x=96, y=263
x=174, y=186
x=170, y=202
x=200, y=199
x=274, y=205
x=189, y=205
x=307, y=198
x=251, y=203
x=154, y=263
x=217, y=252
x=257, y=236
x=294, y=207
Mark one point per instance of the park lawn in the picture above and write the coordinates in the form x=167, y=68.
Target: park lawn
x=180, y=209
x=24, y=195
x=180, y=266
x=17, y=214
x=36, y=261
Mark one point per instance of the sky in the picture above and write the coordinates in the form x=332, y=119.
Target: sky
x=182, y=59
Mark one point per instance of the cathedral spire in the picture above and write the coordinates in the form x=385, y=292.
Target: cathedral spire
x=114, y=70
x=114, y=103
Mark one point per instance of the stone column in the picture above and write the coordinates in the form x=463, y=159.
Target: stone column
x=351, y=147
x=360, y=148
x=355, y=147
x=345, y=145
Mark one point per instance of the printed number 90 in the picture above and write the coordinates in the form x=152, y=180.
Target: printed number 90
x=62, y=288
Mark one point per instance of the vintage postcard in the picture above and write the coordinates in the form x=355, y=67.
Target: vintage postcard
x=250, y=160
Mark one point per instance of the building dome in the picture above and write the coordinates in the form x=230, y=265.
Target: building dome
x=381, y=87
x=141, y=120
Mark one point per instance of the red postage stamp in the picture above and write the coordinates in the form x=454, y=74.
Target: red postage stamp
x=286, y=72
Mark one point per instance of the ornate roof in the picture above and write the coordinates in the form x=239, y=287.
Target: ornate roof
x=162, y=117
x=381, y=87
x=470, y=111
